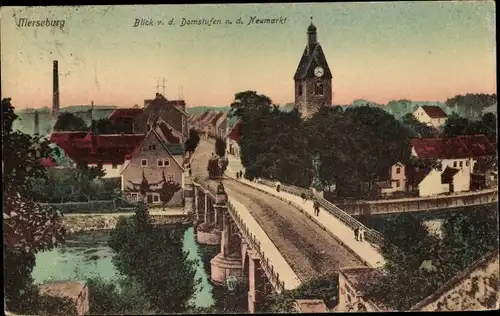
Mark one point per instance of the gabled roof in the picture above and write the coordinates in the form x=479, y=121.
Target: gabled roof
x=216, y=118
x=139, y=146
x=468, y=146
x=311, y=60
x=160, y=100
x=221, y=119
x=168, y=133
x=124, y=113
x=235, y=131
x=434, y=111
x=448, y=174
x=479, y=145
x=209, y=117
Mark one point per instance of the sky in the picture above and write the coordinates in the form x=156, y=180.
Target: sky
x=378, y=51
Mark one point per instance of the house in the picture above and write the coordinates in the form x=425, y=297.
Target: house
x=232, y=138
x=91, y=149
x=457, y=158
x=76, y=291
x=194, y=121
x=475, y=288
x=212, y=127
x=396, y=181
x=152, y=167
x=221, y=125
x=430, y=115
x=172, y=112
x=206, y=123
x=126, y=117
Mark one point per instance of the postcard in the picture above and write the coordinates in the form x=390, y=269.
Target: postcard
x=250, y=158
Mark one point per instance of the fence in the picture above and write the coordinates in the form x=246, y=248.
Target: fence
x=268, y=268
x=103, y=206
x=371, y=235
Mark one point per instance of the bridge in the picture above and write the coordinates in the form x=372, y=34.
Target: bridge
x=436, y=204
x=268, y=241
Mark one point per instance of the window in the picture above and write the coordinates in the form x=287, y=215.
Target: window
x=144, y=162
x=300, y=88
x=156, y=198
x=152, y=147
x=133, y=197
x=454, y=164
x=160, y=162
x=461, y=164
x=398, y=170
x=166, y=162
x=170, y=178
x=114, y=166
x=318, y=89
x=397, y=184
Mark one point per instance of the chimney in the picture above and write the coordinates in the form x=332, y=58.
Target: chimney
x=55, y=91
x=37, y=123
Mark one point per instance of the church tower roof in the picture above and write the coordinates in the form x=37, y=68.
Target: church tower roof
x=312, y=57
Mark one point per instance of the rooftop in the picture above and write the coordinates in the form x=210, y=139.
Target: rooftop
x=434, y=111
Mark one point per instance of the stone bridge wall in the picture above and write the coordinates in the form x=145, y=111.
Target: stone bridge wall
x=421, y=204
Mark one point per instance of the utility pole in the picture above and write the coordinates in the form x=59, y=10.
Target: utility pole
x=157, y=86
x=163, y=86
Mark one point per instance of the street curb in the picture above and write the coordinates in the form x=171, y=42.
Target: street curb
x=303, y=211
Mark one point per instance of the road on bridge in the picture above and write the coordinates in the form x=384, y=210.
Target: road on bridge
x=308, y=249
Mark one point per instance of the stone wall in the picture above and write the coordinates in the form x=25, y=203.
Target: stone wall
x=421, y=204
x=91, y=222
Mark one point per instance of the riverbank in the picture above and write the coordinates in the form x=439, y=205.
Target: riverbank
x=95, y=222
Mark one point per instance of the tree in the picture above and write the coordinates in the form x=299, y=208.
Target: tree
x=28, y=227
x=220, y=147
x=70, y=122
x=248, y=102
x=156, y=260
x=193, y=141
x=167, y=190
x=471, y=104
x=106, y=126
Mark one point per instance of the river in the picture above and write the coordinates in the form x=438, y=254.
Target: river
x=87, y=254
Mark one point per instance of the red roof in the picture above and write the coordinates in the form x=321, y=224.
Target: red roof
x=468, y=146
x=124, y=113
x=235, y=132
x=434, y=111
x=48, y=162
x=90, y=148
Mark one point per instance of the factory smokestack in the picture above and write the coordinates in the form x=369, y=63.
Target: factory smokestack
x=55, y=91
x=37, y=123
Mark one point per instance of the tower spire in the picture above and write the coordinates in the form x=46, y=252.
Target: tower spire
x=157, y=86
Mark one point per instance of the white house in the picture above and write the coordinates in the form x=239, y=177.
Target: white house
x=457, y=157
x=430, y=115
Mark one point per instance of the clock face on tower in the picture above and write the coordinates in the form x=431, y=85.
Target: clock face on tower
x=318, y=71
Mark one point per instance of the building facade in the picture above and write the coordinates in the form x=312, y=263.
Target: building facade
x=313, y=78
x=430, y=115
x=152, y=168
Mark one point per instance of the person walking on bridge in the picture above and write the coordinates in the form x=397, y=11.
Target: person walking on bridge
x=356, y=233
x=278, y=186
x=304, y=197
x=316, y=207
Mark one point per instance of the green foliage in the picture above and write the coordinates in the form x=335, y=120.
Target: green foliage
x=324, y=287
x=106, y=126
x=471, y=102
x=56, y=306
x=423, y=262
x=122, y=296
x=28, y=227
x=156, y=260
x=70, y=122
x=220, y=147
x=456, y=125
x=374, y=143
x=193, y=141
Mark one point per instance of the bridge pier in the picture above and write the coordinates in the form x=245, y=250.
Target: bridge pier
x=206, y=232
x=256, y=283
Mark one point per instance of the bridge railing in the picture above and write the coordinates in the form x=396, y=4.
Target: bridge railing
x=267, y=266
x=372, y=236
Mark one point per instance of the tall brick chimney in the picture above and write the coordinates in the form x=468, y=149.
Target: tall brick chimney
x=55, y=91
x=37, y=123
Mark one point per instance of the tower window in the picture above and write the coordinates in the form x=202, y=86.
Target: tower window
x=300, y=88
x=318, y=89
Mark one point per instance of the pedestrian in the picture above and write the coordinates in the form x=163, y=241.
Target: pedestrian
x=237, y=174
x=190, y=172
x=304, y=197
x=241, y=174
x=356, y=233
x=278, y=185
x=361, y=234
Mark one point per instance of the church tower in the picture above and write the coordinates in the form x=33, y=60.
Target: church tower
x=313, y=79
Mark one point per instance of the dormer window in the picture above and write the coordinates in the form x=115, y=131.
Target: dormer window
x=318, y=89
